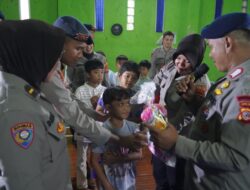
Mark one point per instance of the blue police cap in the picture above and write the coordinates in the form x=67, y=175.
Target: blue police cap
x=226, y=24
x=72, y=27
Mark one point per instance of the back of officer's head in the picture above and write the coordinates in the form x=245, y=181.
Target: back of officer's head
x=115, y=94
x=93, y=64
x=30, y=49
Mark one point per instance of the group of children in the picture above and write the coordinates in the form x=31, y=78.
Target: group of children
x=113, y=165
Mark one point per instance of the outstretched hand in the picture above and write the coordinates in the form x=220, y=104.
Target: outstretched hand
x=164, y=138
x=135, y=141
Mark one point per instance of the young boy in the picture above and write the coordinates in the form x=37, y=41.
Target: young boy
x=144, y=67
x=88, y=93
x=113, y=76
x=128, y=75
x=115, y=165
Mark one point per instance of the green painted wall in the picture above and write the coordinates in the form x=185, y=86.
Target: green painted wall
x=10, y=8
x=181, y=16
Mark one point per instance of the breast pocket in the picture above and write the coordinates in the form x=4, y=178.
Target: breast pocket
x=57, y=140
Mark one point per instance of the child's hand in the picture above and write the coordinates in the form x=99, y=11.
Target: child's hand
x=94, y=100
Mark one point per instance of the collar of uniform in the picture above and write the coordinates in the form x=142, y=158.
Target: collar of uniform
x=237, y=72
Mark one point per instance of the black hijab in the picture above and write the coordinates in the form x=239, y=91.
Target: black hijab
x=193, y=47
x=30, y=49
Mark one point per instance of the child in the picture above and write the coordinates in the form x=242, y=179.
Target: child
x=113, y=76
x=88, y=93
x=144, y=67
x=115, y=165
x=128, y=76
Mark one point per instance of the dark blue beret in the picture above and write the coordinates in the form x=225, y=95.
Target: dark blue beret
x=2, y=16
x=72, y=27
x=226, y=24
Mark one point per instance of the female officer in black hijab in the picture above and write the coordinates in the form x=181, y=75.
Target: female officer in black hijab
x=32, y=146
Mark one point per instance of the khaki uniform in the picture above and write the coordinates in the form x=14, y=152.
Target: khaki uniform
x=218, y=150
x=159, y=58
x=179, y=113
x=33, y=150
x=77, y=75
x=74, y=112
x=180, y=116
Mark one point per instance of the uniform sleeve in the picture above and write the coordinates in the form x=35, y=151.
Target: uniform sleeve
x=232, y=151
x=78, y=93
x=22, y=137
x=74, y=113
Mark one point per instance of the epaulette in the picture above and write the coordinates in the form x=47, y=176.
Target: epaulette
x=31, y=91
x=236, y=73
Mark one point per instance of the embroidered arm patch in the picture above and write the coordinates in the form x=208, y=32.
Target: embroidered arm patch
x=23, y=134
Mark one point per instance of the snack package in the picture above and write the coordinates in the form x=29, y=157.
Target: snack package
x=154, y=115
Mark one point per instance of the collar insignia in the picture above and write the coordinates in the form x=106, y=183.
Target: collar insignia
x=225, y=84
x=60, y=127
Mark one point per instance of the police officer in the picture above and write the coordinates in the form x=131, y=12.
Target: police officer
x=188, y=56
x=78, y=74
x=218, y=146
x=33, y=147
x=162, y=55
x=74, y=112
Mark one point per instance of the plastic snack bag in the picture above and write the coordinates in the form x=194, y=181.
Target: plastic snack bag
x=154, y=115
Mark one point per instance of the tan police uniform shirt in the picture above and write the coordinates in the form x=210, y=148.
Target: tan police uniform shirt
x=218, y=150
x=33, y=150
x=179, y=113
x=74, y=112
x=157, y=55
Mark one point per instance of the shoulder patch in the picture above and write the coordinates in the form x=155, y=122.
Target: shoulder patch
x=235, y=73
x=244, y=103
x=23, y=134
